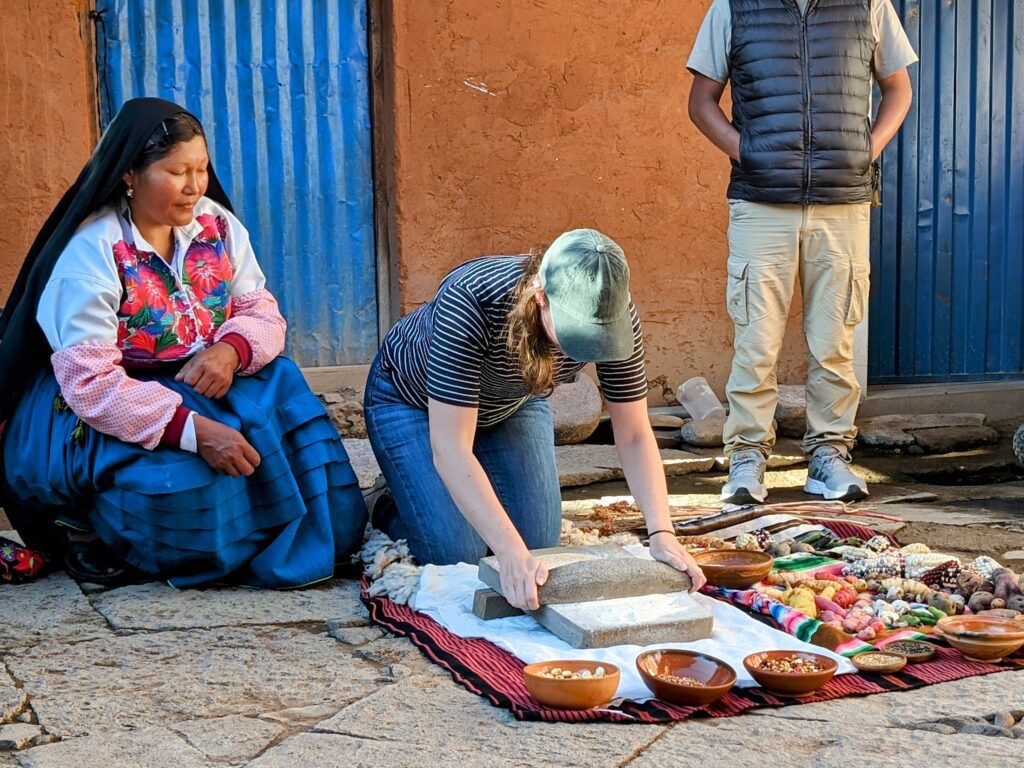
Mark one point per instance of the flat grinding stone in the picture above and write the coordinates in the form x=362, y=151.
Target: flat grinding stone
x=585, y=574
x=645, y=620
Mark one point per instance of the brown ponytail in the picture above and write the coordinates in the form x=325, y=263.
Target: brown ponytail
x=527, y=340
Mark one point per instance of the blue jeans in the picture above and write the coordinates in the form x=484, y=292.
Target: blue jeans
x=518, y=456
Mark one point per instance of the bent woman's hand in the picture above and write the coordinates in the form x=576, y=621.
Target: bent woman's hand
x=666, y=549
x=224, y=448
x=521, y=574
x=211, y=371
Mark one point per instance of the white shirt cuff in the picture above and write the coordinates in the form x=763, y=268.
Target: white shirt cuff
x=188, y=435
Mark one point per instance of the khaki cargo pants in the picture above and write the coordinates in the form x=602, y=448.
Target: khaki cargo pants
x=770, y=247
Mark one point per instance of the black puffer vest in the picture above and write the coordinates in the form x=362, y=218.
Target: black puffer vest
x=801, y=94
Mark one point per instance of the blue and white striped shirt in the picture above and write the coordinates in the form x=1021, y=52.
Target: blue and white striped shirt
x=454, y=348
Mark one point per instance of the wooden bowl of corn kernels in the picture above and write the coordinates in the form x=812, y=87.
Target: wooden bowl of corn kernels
x=572, y=684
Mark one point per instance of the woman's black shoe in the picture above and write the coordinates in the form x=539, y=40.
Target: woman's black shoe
x=93, y=562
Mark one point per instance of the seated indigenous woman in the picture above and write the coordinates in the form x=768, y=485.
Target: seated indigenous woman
x=149, y=411
x=457, y=414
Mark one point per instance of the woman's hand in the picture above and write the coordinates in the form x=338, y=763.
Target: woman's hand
x=211, y=371
x=521, y=574
x=224, y=448
x=666, y=548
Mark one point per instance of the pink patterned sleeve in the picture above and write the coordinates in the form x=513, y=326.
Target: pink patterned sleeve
x=255, y=318
x=104, y=396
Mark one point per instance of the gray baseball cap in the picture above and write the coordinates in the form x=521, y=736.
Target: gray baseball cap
x=586, y=280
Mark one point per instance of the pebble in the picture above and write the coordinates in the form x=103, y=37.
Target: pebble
x=1018, y=731
x=1004, y=720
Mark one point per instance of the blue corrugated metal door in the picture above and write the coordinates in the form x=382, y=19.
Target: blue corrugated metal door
x=282, y=88
x=948, y=243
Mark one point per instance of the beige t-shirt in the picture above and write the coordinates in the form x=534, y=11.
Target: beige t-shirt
x=710, y=54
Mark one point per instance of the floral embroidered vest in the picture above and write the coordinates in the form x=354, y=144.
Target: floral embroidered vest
x=161, y=318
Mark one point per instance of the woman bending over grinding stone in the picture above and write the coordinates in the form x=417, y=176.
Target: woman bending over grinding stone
x=457, y=414
x=149, y=410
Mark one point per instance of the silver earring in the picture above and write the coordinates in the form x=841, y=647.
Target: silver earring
x=130, y=192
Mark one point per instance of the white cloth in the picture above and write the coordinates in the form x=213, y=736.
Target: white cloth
x=80, y=302
x=446, y=596
x=710, y=54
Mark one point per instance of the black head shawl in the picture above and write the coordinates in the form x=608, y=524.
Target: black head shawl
x=24, y=349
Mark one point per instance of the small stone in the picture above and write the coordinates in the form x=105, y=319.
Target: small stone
x=915, y=450
x=982, y=729
x=25, y=717
x=1003, y=720
x=1017, y=731
x=665, y=421
x=706, y=432
x=352, y=635
x=667, y=438
x=398, y=671
x=330, y=398
x=946, y=730
x=18, y=735
x=576, y=410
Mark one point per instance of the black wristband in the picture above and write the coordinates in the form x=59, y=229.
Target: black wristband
x=660, y=530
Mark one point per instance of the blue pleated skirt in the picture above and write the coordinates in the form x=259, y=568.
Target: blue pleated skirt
x=168, y=513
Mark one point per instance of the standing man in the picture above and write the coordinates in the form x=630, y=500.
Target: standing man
x=802, y=147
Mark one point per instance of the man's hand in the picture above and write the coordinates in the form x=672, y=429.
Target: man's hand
x=211, y=371
x=224, y=448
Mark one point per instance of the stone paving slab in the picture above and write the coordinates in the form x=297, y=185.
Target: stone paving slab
x=231, y=739
x=788, y=743
x=52, y=609
x=157, y=606
x=982, y=695
x=431, y=721
x=145, y=748
x=364, y=463
x=585, y=464
x=165, y=677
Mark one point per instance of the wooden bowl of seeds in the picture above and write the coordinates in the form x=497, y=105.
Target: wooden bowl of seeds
x=790, y=673
x=572, y=684
x=915, y=651
x=685, y=677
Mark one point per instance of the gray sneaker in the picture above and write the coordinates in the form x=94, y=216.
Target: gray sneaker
x=746, y=478
x=829, y=475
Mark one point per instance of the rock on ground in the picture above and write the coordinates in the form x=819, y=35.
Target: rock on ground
x=345, y=407
x=156, y=606
x=123, y=683
x=364, y=463
x=791, y=410
x=949, y=439
x=576, y=410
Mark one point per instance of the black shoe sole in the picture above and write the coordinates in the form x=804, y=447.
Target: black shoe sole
x=742, y=497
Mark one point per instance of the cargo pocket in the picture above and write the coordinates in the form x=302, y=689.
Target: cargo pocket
x=736, y=293
x=858, y=301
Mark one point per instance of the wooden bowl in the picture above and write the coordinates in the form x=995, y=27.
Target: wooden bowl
x=982, y=638
x=915, y=651
x=734, y=568
x=879, y=662
x=581, y=693
x=790, y=683
x=716, y=677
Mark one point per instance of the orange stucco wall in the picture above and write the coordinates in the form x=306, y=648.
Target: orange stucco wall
x=47, y=116
x=513, y=121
